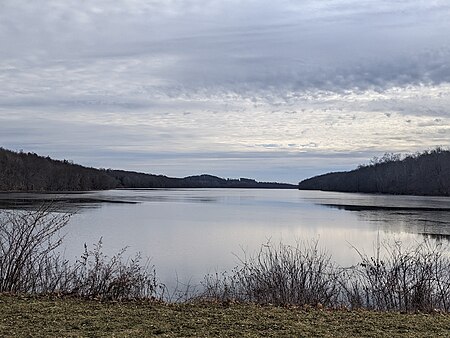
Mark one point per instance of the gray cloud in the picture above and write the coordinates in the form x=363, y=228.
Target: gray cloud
x=331, y=45
x=213, y=76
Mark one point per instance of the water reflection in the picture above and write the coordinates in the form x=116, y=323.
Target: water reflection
x=417, y=220
x=69, y=201
x=191, y=232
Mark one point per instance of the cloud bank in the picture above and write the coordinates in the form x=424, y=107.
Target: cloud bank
x=181, y=87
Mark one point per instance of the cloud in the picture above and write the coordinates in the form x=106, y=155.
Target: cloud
x=213, y=76
x=330, y=45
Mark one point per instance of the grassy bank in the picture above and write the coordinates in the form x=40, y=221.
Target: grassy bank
x=26, y=316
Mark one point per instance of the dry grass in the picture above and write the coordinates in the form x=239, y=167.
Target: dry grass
x=26, y=316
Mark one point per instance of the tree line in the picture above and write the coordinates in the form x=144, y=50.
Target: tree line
x=20, y=171
x=425, y=173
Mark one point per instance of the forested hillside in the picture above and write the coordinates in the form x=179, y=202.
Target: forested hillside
x=30, y=172
x=426, y=173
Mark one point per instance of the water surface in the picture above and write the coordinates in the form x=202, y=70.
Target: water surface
x=191, y=232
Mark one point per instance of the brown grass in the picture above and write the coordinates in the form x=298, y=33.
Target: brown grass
x=27, y=316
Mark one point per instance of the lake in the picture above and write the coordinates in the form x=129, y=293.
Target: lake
x=188, y=233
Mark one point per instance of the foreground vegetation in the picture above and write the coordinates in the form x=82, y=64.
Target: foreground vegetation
x=25, y=316
x=396, y=278
x=280, y=291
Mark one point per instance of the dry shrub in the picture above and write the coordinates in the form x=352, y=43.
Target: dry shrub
x=415, y=278
x=30, y=262
x=28, y=240
x=396, y=278
x=280, y=275
x=97, y=276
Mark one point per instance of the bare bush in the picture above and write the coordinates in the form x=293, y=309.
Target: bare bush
x=30, y=262
x=28, y=240
x=400, y=278
x=222, y=287
x=97, y=276
x=396, y=278
x=280, y=275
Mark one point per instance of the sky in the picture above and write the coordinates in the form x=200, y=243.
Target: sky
x=272, y=90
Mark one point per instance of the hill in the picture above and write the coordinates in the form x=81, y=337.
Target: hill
x=21, y=171
x=426, y=173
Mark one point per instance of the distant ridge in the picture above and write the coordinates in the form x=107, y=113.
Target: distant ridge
x=426, y=173
x=21, y=171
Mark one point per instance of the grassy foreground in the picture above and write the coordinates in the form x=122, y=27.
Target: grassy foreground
x=26, y=316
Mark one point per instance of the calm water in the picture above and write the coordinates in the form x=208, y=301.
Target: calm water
x=190, y=232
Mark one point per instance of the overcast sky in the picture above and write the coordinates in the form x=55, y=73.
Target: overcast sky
x=274, y=90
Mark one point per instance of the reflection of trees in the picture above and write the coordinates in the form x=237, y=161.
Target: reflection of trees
x=426, y=221
x=437, y=237
x=435, y=224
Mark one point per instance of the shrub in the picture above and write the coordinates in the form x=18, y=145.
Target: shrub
x=96, y=276
x=280, y=275
x=30, y=262
x=28, y=240
x=396, y=278
x=415, y=278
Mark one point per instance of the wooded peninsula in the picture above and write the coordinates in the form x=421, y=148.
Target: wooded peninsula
x=426, y=173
